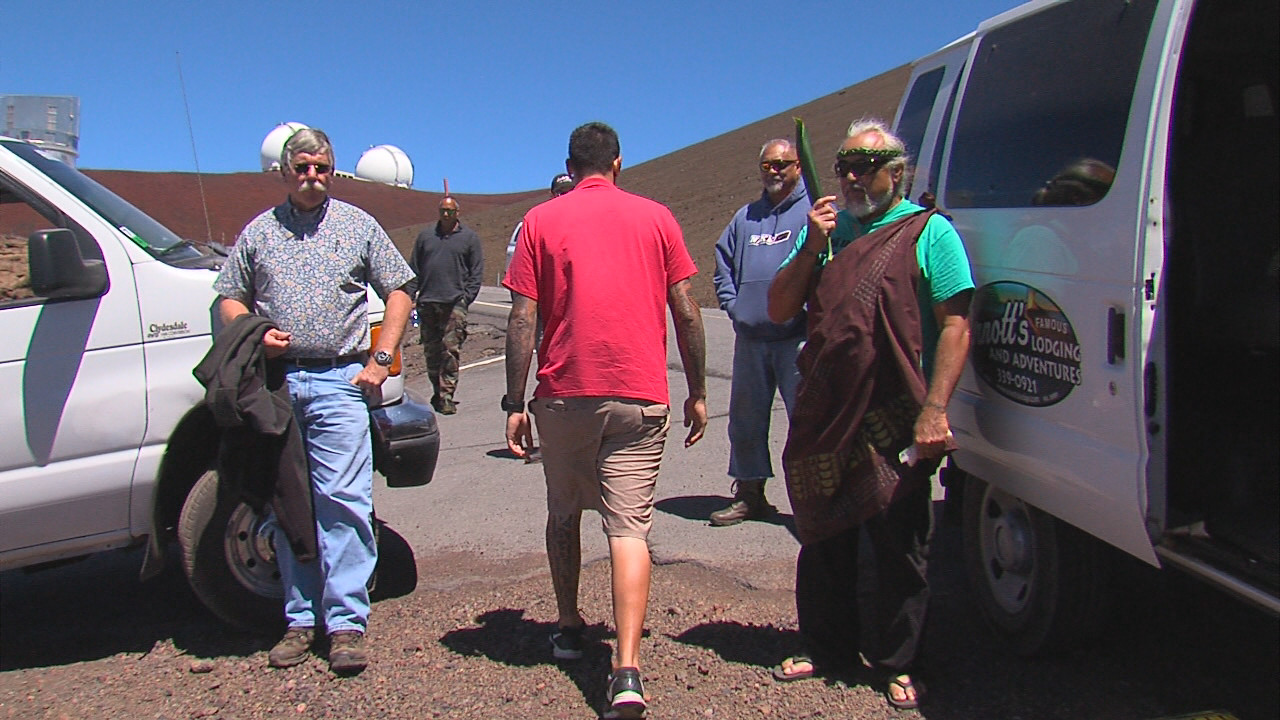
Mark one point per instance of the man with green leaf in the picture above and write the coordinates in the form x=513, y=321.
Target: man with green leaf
x=887, y=285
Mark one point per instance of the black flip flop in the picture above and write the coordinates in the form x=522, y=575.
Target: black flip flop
x=783, y=676
x=911, y=684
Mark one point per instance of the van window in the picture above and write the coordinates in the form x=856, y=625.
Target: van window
x=1043, y=115
x=935, y=167
x=21, y=214
x=915, y=114
x=135, y=224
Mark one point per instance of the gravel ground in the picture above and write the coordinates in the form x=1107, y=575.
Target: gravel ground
x=455, y=636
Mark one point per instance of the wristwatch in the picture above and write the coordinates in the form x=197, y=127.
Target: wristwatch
x=512, y=407
x=383, y=358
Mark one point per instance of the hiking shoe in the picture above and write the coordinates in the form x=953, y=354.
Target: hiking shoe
x=292, y=648
x=626, y=694
x=447, y=407
x=566, y=643
x=748, y=504
x=346, y=652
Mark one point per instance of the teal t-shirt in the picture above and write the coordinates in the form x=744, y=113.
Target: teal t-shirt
x=940, y=253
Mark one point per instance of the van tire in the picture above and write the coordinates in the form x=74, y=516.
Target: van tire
x=1041, y=584
x=229, y=566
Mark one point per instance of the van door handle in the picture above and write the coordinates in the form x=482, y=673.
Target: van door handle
x=1115, y=336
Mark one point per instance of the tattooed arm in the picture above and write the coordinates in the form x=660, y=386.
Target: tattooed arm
x=521, y=335
x=687, y=317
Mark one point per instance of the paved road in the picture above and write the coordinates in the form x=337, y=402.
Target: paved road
x=482, y=498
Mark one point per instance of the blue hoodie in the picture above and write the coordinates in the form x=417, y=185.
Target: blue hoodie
x=748, y=255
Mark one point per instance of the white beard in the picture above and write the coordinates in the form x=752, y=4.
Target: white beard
x=869, y=206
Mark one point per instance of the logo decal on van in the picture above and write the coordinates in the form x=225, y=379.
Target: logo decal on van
x=1023, y=344
x=163, y=330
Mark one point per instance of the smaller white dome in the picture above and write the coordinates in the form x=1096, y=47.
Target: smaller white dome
x=274, y=143
x=386, y=164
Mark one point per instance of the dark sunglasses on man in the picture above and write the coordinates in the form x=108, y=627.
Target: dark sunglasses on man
x=321, y=168
x=776, y=165
x=860, y=165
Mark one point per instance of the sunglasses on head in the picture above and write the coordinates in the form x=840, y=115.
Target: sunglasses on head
x=321, y=168
x=859, y=165
x=776, y=165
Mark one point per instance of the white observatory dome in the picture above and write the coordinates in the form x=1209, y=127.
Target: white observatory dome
x=274, y=143
x=385, y=164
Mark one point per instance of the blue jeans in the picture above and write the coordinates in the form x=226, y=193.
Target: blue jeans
x=334, y=421
x=760, y=367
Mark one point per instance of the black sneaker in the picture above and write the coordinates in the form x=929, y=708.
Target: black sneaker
x=626, y=694
x=566, y=643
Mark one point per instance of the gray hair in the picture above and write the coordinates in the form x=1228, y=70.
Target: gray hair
x=311, y=141
x=891, y=142
x=776, y=141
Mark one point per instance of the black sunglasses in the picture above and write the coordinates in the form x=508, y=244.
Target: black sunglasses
x=776, y=165
x=321, y=168
x=860, y=166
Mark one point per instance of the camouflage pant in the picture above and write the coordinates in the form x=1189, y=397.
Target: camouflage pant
x=444, y=329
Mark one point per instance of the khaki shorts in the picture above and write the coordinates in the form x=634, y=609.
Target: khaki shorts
x=602, y=454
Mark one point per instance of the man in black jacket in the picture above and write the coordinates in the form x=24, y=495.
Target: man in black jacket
x=449, y=264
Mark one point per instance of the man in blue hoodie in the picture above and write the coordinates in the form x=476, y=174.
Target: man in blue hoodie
x=748, y=255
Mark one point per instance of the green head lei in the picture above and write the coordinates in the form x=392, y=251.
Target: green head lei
x=885, y=153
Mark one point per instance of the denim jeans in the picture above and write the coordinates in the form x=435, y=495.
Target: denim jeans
x=334, y=420
x=760, y=367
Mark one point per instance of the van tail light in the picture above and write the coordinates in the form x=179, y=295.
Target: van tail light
x=374, y=331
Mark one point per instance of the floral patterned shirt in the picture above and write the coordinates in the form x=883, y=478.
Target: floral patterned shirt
x=309, y=272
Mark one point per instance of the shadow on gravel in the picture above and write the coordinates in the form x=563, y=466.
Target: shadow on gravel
x=506, y=636
x=699, y=507
x=96, y=608
x=761, y=645
x=397, y=567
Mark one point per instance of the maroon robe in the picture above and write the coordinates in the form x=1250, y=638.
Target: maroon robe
x=861, y=386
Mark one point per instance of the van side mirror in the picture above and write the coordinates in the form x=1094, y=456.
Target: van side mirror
x=58, y=268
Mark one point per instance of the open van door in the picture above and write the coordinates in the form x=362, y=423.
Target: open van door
x=1042, y=157
x=1045, y=175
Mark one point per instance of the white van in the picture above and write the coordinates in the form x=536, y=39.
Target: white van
x=1112, y=167
x=106, y=441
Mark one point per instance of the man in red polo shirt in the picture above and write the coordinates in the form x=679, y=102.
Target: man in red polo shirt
x=596, y=266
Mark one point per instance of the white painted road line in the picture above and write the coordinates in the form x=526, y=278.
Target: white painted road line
x=481, y=363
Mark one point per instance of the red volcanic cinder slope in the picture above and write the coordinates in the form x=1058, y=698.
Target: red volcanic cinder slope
x=703, y=184
x=233, y=199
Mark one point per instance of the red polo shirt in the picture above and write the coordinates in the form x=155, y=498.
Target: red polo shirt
x=598, y=261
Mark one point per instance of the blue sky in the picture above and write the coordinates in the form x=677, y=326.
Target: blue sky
x=484, y=94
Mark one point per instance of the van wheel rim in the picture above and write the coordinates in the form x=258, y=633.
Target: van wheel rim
x=251, y=555
x=1008, y=543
